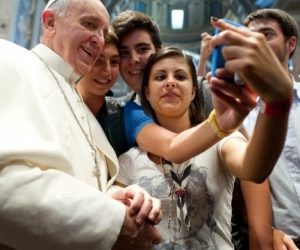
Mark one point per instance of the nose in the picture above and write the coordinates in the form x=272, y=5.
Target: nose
x=170, y=83
x=105, y=67
x=98, y=40
x=134, y=57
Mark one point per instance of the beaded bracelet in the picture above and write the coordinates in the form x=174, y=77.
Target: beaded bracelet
x=212, y=121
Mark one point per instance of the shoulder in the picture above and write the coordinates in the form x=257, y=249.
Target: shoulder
x=113, y=104
x=133, y=153
x=12, y=53
x=127, y=97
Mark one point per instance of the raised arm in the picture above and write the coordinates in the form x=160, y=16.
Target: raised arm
x=248, y=54
x=206, y=51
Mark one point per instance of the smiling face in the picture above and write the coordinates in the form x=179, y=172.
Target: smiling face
x=78, y=34
x=135, y=50
x=104, y=74
x=170, y=88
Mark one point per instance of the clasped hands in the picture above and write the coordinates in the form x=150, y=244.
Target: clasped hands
x=143, y=212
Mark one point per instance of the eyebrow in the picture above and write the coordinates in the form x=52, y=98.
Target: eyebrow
x=264, y=29
x=137, y=45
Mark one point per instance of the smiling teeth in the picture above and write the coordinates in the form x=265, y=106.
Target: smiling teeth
x=135, y=72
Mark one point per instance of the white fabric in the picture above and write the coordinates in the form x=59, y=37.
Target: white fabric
x=49, y=197
x=285, y=178
x=209, y=188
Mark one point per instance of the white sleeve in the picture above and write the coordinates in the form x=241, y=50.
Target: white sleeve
x=126, y=172
x=52, y=210
x=43, y=205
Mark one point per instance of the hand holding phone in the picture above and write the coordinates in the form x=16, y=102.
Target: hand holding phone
x=217, y=57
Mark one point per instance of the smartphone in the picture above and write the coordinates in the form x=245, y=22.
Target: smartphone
x=217, y=57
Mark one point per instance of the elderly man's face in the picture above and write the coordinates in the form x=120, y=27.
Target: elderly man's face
x=79, y=34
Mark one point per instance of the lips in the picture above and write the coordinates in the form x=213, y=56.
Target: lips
x=170, y=93
x=102, y=82
x=136, y=71
x=88, y=52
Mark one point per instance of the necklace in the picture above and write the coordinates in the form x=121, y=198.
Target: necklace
x=88, y=135
x=177, y=185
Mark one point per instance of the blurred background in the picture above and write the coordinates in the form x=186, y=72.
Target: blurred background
x=181, y=21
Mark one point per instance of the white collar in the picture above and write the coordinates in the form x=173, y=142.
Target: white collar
x=57, y=63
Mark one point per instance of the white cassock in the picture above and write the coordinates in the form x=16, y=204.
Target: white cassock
x=49, y=196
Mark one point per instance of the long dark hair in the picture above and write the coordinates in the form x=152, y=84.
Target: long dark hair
x=196, y=109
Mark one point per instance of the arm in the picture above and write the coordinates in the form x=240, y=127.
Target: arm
x=259, y=213
x=206, y=51
x=254, y=160
x=173, y=147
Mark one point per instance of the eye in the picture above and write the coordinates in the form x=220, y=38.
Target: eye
x=268, y=35
x=142, y=50
x=160, y=77
x=180, y=77
x=89, y=24
x=115, y=62
x=123, y=53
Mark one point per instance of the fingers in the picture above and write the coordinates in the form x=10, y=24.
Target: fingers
x=289, y=243
x=155, y=214
x=222, y=25
x=142, y=205
x=234, y=95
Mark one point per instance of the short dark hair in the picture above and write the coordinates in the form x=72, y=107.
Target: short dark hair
x=111, y=37
x=129, y=21
x=287, y=24
x=196, y=109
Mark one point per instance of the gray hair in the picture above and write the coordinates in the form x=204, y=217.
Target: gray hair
x=59, y=6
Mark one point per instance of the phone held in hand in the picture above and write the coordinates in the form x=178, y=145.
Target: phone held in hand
x=217, y=57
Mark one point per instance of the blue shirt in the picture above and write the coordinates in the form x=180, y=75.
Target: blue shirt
x=135, y=119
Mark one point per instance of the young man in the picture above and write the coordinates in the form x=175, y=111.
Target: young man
x=55, y=162
x=281, y=33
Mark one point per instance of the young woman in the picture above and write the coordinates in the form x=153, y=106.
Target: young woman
x=196, y=195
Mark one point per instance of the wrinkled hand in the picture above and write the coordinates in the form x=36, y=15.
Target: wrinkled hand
x=140, y=204
x=248, y=53
x=282, y=241
x=133, y=236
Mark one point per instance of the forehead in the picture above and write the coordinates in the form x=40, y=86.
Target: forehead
x=173, y=63
x=136, y=37
x=89, y=8
x=110, y=48
x=259, y=25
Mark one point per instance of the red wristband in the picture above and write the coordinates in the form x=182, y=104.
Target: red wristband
x=275, y=108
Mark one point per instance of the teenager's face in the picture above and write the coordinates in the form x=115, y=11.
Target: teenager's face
x=78, y=36
x=275, y=38
x=105, y=72
x=135, y=50
x=170, y=90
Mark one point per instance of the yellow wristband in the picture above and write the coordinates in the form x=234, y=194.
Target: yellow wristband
x=212, y=121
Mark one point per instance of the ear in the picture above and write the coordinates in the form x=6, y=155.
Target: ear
x=49, y=19
x=147, y=93
x=291, y=44
x=193, y=93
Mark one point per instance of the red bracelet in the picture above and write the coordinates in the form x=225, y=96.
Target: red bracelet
x=275, y=108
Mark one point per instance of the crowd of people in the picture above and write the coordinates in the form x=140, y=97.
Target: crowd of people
x=155, y=169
